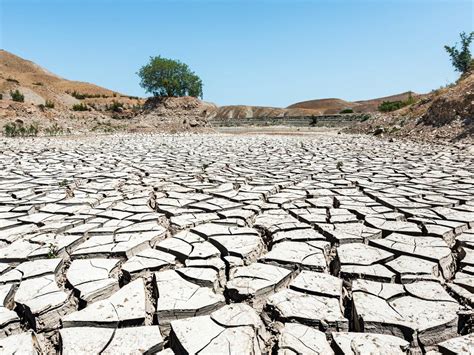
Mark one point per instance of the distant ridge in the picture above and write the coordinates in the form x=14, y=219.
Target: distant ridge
x=334, y=105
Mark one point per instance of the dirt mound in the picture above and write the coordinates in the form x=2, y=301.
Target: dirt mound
x=446, y=114
x=176, y=113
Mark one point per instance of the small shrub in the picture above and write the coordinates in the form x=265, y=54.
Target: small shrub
x=17, y=96
x=347, y=110
x=106, y=127
x=80, y=107
x=63, y=183
x=49, y=104
x=9, y=130
x=77, y=95
x=410, y=101
x=38, y=83
x=115, y=106
x=32, y=130
x=18, y=129
x=389, y=106
x=364, y=118
x=52, y=251
x=339, y=165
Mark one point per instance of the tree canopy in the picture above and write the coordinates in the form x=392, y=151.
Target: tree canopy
x=461, y=58
x=164, y=77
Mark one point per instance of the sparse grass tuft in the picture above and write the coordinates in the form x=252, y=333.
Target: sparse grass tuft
x=53, y=130
x=52, y=251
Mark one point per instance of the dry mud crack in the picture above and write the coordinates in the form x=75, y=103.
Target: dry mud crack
x=219, y=244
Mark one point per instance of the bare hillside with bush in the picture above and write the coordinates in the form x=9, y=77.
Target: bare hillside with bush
x=30, y=94
x=446, y=113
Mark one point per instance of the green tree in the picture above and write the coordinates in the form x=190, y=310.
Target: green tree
x=167, y=77
x=461, y=58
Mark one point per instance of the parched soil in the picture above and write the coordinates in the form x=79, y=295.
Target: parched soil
x=193, y=243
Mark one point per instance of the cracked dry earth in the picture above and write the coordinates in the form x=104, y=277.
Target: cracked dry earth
x=214, y=244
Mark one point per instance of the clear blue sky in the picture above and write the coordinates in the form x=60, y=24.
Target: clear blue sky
x=256, y=52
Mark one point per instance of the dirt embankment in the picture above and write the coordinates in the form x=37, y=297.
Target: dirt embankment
x=444, y=114
x=175, y=114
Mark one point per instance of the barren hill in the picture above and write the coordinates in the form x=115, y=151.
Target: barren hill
x=332, y=106
x=307, y=108
x=446, y=113
x=324, y=105
x=49, y=99
x=39, y=85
